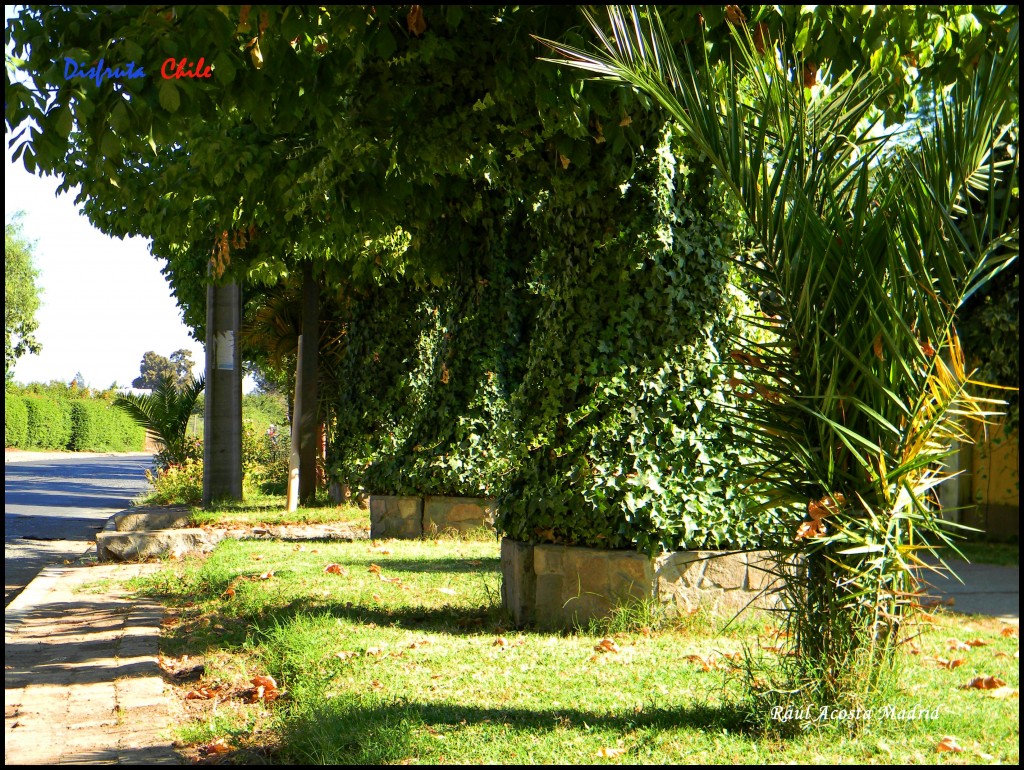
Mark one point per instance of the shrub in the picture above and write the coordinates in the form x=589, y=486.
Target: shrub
x=49, y=422
x=96, y=426
x=264, y=459
x=126, y=434
x=177, y=484
x=15, y=422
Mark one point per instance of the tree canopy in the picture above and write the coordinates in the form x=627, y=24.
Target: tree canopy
x=523, y=275
x=21, y=298
x=322, y=130
x=156, y=368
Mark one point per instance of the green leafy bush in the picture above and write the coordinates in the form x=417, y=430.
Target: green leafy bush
x=15, y=422
x=180, y=484
x=49, y=422
x=617, y=436
x=97, y=426
x=264, y=459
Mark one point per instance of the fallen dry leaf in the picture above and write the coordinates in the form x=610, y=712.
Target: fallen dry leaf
x=977, y=643
x=345, y=655
x=335, y=569
x=1004, y=692
x=202, y=693
x=709, y=662
x=376, y=685
x=219, y=746
x=376, y=597
x=448, y=591
x=390, y=579
x=610, y=752
x=500, y=641
x=380, y=549
x=264, y=681
x=606, y=645
x=955, y=645
x=949, y=665
x=257, y=557
x=170, y=620
x=374, y=568
x=266, y=575
x=779, y=649
x=1010, y=632
x=420, y=643
x=948, y=743
x=374, y=651
x=984, y=683
x=228, y=593
x=475, y=562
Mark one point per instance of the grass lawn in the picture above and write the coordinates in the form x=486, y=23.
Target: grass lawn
x=402, y=654
x=270, y=510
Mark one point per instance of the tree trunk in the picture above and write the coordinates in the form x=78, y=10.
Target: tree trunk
x=306, y=386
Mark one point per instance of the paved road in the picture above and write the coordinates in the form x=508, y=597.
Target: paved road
x=55, y=505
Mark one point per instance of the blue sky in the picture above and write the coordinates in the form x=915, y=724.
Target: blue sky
x=104, y=301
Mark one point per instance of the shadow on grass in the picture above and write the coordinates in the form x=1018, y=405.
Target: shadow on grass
x=340, y=731
x=228, y=632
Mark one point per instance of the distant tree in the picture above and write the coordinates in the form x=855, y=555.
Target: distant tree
x=155, y=368
x=183, y=364
x=21, y=297
x=79, y=381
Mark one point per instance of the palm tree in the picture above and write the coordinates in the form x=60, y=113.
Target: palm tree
x=165, y=412
x=856, y=385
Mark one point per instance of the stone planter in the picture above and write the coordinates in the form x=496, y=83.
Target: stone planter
x=463, y=514
x=394, y=516
x=412, y=517
x=556, y=586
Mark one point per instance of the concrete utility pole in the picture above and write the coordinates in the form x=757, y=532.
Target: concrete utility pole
x=222, y=419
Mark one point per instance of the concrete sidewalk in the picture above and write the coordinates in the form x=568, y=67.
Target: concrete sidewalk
x=986, y=589
x=82, y=685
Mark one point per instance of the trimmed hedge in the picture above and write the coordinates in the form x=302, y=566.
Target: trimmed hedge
x=97, y=427
x=15, y=422
x=49, y=423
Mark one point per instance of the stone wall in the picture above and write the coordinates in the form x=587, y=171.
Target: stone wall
x=412, y=517
x=556, y=586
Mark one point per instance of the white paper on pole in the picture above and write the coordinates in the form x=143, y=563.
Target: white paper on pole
x=224, y=349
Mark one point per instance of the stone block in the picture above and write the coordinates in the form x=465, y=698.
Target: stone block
x=139, y=546
x=547, y=559
x=394, y=516
x=585, y=570
x=737, y=600
x=518, y=581
x=549, y=602
x=457, y=513
x=724, y=570
x=578, y=610
x=630, y=576
x=758, y=575
x=136, y=519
